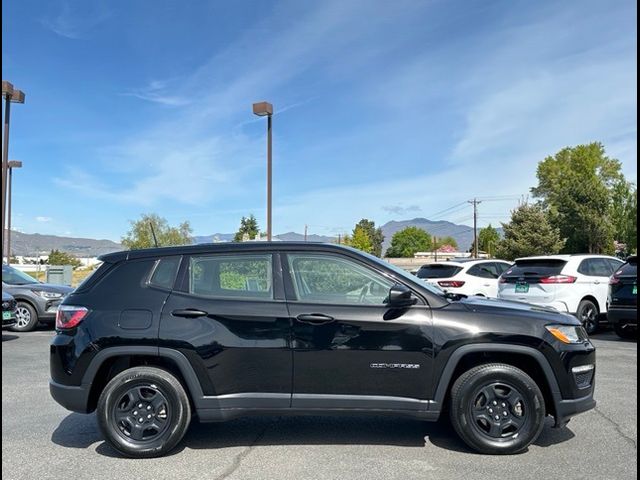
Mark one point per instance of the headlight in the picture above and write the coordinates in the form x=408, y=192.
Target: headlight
x=568, y=333
x=47, y=295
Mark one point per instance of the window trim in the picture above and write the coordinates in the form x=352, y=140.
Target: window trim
x=152, y=271
x=290, y=291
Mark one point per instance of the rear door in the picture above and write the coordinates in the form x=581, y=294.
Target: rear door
x=228, y=316
x=350, y=349
x=594, y=278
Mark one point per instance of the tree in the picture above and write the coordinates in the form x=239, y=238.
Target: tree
x=56, y=257
x=141, y=234
x=440, y=242
x=529, y=233
x=624, y=210
x=375, y=235
x=488, y=239
x=248, y=227
x=408, y=241
x=361, y=240
x=575, y=187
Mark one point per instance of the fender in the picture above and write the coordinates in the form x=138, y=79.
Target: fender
x=456, y=356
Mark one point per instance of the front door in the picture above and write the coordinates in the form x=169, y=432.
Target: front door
x=229, y=318
x=350, y=350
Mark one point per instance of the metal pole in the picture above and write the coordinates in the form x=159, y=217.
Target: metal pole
x=9, y=218
x=5, y=160
x=305, y=233
x=269, y=178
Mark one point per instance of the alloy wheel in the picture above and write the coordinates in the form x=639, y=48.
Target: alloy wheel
x=23, y=317
x=589, y=317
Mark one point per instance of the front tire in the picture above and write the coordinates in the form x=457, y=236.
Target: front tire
x=26, y=318
x=144, y=412
x=588, y=314
x=497, y=409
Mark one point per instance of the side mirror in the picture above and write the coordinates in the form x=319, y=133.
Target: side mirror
x=400, y=296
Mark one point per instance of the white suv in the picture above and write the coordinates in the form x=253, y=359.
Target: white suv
x=577, y=284
x=465, y=276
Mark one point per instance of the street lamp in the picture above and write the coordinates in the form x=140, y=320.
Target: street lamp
x=261, y=109
x=10, y=95
x=12, y=164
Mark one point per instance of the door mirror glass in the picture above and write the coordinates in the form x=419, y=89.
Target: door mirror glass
x=400, y=296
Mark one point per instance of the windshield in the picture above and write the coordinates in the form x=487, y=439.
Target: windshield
x=15, y=277
x=403, y=273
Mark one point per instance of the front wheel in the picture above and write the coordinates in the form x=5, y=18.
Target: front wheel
x=497, y=409
x=144, y=412
x=588, y=315
x=26, y=318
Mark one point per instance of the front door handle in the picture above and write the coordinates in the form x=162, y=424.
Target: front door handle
x=189, y=313
x=315, y=318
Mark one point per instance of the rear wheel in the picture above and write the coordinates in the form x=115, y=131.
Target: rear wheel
x=497, y=409
x=144, y=412
x=626, y=333
x=588, y=315
x=26, y=318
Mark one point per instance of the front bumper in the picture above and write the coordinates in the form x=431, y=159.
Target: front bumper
x=74, y=398
x=565, y=409
x=8, y=322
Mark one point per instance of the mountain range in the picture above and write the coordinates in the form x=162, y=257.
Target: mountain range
x=26, y=244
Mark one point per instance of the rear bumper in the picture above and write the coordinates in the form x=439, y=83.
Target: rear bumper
x=565, y=409
x=74, y=398
x=622, y=316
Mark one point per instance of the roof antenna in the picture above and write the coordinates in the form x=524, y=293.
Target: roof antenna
x=155, y=240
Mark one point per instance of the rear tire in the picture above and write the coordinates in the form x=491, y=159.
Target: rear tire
x=626, y=333
x=144, y=412
x=588, y=315
x=26, y=318
x=497, y=409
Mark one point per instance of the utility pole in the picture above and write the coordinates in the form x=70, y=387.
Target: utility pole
x=305, y=232
x=475, y=203
x=435, y=248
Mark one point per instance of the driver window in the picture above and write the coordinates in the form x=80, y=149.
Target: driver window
x=330, y=279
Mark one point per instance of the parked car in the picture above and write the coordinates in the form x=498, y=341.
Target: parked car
x=8, y=310
x=291, y=328
x=37, y=301
x=577, y=284
x=465, y=276
x=623, y=299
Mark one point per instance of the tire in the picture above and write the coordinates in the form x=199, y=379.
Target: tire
x=626, y=333
x=496, y=389
x=165, y=410
x=26, y=318
x=588, y=314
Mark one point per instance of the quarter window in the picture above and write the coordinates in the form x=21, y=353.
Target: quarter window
x=330, y=279
x=165, y=272
x=246, y=276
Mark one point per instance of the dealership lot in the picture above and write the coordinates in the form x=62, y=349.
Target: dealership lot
x=42, y=440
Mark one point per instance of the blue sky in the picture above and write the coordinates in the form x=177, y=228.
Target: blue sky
x=384, y=109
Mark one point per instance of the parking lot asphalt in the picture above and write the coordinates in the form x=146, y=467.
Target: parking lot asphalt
x=41, y=440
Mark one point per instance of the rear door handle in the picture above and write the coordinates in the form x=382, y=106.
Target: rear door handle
x=189, y=313
x=315, y=318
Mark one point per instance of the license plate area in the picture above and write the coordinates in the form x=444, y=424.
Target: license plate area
x=522, y=287
x=7, y=315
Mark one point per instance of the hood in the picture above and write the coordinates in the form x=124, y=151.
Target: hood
x=486, y=305
x=47, y=287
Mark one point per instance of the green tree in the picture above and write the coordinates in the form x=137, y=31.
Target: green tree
x=375, y=235
x=488, y=239
x=56, y=257
x=528, y=233
x=408, y=241
x=141, y=234
x=576, y=187
x=624, y=211
x=360, y=239
x=248, y=226
x=442, y=241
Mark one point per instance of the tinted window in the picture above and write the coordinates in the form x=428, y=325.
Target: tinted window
x=484, y=270
x=595, y=267
x=502, y=267
x=536, y=268
x=15, y=277
x=331, y=279
x=165, y=272
x=438, y=271
x=615, y=264
x=246, y=276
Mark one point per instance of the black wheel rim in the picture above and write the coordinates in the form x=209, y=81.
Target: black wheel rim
x=141, y=413
x=588, y=317
x=498, y=411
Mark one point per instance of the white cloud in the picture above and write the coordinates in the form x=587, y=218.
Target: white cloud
x=75, y=18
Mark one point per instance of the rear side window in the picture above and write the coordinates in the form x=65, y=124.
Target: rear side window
x=595, y=267
x=164, y=273
x=438, y=271
x=484, y=270
x=536, y=268
x=245, y=276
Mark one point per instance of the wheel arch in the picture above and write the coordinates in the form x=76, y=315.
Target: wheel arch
x=593, y=299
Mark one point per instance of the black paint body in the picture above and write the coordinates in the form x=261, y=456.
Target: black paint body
x=254, y=356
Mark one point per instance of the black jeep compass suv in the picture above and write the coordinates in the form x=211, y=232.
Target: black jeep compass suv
x=221, y=331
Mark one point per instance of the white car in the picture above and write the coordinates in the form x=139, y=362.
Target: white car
x=576, y=284
x=465, y=276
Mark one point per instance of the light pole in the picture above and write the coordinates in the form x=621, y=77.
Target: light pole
x=12, y=164
x=261, y=109
x=10, y=95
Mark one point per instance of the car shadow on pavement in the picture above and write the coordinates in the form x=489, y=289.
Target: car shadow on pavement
x=7, y=338
x=81, y=431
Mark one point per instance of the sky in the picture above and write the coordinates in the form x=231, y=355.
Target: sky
x=387, y=110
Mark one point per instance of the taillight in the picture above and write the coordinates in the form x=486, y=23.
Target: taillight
x=614, y=280
x=558, y=279
x=451, y=284
x=69, y=316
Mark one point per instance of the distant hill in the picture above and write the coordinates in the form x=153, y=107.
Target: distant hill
x=34, y=244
